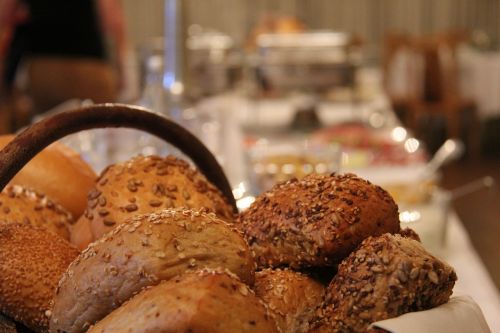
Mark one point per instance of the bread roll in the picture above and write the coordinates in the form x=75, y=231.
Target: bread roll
x=145, y=184
x=316, y=221
x=199, y=302
x=386, y=277
x=20, y=205
x=58, y=172
x=141, y=252
x=7, y=326
x=80, y=234
x=291, y=296
x=32, y=261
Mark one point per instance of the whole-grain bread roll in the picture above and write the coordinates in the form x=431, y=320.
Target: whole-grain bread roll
x=145, y=184
x=385, y=277
x=32, y=261
x=198, y=302
x=291, y=296
x=316, y=221
x=60, y=173
x=19, y=205
x=143, y=251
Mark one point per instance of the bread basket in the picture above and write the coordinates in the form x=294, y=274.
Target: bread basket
x=35, y=138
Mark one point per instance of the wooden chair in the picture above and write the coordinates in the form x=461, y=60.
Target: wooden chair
x=441, y=94
x=434, y=85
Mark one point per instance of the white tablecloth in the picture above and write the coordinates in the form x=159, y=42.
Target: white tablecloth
x=473, y=278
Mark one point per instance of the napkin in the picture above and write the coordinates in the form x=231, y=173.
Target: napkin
x=460, y=314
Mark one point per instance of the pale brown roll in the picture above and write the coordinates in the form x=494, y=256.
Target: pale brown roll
x=291, y=296
x=199, y=302
x=141, y=252
x=146, y=184
x=58, y=172
x=316, y=221
x=32, y=261
x=81, y=235
x=25, y=206
x=387, y=276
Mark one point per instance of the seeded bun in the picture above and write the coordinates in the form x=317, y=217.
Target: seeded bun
x=58, y=172
x=291, y=296
x=204, y=301
x=20, y=205
x=386, y=277
x=316, y=221
x=32, y=261
x=145, y=184
x=141, y=252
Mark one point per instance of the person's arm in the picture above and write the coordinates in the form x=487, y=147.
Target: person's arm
x=12, y=13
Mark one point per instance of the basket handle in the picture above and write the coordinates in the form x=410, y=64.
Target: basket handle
x=41, y=134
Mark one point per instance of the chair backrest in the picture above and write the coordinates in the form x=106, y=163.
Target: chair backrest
x=402, y=67
x=422, y=68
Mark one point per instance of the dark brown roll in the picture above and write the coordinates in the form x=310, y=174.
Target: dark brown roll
x=19, y=205
x=32, y=261
x=199, y=302
x=316, y=221
x=291, y=296
x=141, y=252
x=387, y=276
x=146, y=184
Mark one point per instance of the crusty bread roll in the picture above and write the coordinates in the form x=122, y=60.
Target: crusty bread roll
x=199, y=302
x=6, y=325
x=58, y=172
x=385, y=277
x=32, y=261
x=145, y=184
x=316, y=221
x=140, y=252
x=291, y=296
x=80, y=234
x=20, y=205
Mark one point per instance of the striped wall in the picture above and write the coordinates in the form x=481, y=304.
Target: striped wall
x=370, y=19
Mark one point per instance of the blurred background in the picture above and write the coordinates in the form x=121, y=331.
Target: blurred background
x=403, y=92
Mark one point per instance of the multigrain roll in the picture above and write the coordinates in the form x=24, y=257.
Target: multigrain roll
x=141, y=252
x=291, y=296
x=145, y=184
x=385, y=277
x=199, y=302
x=21, y=205
x=32, y=261
x=60, y=173
x=316, y=221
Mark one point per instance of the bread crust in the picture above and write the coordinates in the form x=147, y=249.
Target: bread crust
x=19, y=205
x=146, y=184
x=32, y=261
x=141, y=252
x=60, y=173
x=386, y=277
x=204, y=301
x=316, y=221
x=291, y=296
